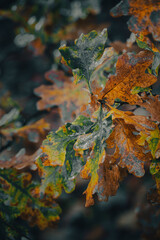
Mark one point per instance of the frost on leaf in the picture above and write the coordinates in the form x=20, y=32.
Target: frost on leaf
x=145, y=16
x=60, y=163
x=95, y=141
x=54, y=147
x=74, y=148
x=85, y=55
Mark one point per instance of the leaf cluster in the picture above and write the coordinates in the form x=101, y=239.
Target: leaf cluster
x=101, y=139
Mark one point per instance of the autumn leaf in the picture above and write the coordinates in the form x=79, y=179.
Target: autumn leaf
x=85, y=55
x=131, y=155
x=110, y=174
x=145, y=16
x=152, y=105
x=60, y=163
x=54, y=146
x=130, y=72
x=71, y=147
x=20, y=160
x=70, y=96
x=55, y=179
x=96, y=157
x=19, y=189
x=147, y=129
x=153, y=140
x=141, y=123
x=145, y=43
x=57, y=77
x=29, y=131
x=96, y=142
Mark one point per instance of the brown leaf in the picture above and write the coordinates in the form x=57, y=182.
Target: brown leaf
x=20, y=160
x=130, y=72
x=152, y=105
x=109, y=177
x=31, y=132
x=131, y=155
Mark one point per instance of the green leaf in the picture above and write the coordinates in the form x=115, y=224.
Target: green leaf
x=155, y=167
x=56, y=143
x=60, y=163
x=54, y=179
x=84, y=56
x=81, y=143
x=136, y=90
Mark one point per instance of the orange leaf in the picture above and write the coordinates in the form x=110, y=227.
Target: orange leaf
x=132, y=156
x=145, y=16
x=130, y=72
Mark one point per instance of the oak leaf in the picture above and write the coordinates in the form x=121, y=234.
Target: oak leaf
x=130, y=72
x=85, y=55
x=127, y=151
x=145, y=16
x=55, y=179
x=71, y=147
x=60, y=163
x=152, y=105
x=70, y=96
x=110, y=174
x=54, y=146
x=96, y=142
